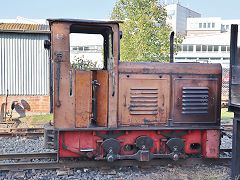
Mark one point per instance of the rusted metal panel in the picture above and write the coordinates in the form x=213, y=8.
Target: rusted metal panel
x=113, y=81
x=195, y=100
x=83, y=98
x=182, y=68
x=144, y=99
x=210, y=145
x=64, y=104
x=102, y=97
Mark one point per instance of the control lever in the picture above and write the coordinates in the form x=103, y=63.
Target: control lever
x=95, y=86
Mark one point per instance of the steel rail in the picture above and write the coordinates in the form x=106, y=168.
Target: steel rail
x=27, y=134
x=39, y=129
x=64, y=164
x=28, y=155
x=12, y=132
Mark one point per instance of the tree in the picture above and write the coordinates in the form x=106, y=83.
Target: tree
x=145, y=32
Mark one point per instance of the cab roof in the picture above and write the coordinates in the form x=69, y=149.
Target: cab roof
x=90, y=21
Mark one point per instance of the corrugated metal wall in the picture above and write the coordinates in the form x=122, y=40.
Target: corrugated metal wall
x=24, y=64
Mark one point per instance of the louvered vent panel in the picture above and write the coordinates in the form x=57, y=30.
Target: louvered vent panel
x=195, y=100
x=143, y=101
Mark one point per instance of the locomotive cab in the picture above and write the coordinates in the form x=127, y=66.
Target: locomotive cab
x=130, y=110
x=82, y=93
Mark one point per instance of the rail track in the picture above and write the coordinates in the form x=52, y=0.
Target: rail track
x=26, y=161
x=25, y=156
x=29, y=132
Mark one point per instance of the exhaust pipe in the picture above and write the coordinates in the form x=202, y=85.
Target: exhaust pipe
x=171, y=46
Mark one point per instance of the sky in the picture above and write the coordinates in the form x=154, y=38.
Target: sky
x=101, y=9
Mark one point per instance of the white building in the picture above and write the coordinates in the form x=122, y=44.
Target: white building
x=209, y=25
x=207, y=40
x=177, y=17
x=208, y=48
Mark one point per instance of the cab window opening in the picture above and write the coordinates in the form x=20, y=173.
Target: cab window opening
x=91, y=48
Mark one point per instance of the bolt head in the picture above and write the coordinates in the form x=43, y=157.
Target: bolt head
x=175, y=157
x=110, y=158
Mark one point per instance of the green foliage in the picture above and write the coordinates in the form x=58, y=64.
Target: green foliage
x=146, y=35
x=81, y=64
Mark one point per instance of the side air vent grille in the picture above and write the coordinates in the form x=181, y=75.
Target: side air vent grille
x=143, y=101
x=195, y=100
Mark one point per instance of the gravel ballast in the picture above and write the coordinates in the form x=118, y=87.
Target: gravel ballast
x=131, y=173
x=22, y=145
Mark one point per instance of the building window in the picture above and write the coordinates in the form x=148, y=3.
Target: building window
x=215, y=58
x=204, y=58
x=213, y=25
x=204, y=25
x=204, y=48
x=198, y=48
x=185, y=48
x=209, y=25
x=210, y=48
x=200, y=25
x=223, y=28
x=226, y=58
x=180, y=58
x=191, y=58
x=227, y=27
x=190, y=48
x=215, y=48
x=228, y=48
x=223, y=48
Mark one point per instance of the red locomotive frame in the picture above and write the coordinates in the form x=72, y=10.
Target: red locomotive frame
x=139, y=111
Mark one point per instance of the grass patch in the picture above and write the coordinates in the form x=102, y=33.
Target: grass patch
x=225, y=115
x=41, y=118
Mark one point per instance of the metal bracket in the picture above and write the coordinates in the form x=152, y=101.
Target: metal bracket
x=58, y=60
x=113, y=76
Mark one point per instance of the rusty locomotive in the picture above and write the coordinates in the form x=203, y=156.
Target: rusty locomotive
x=130, y=110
